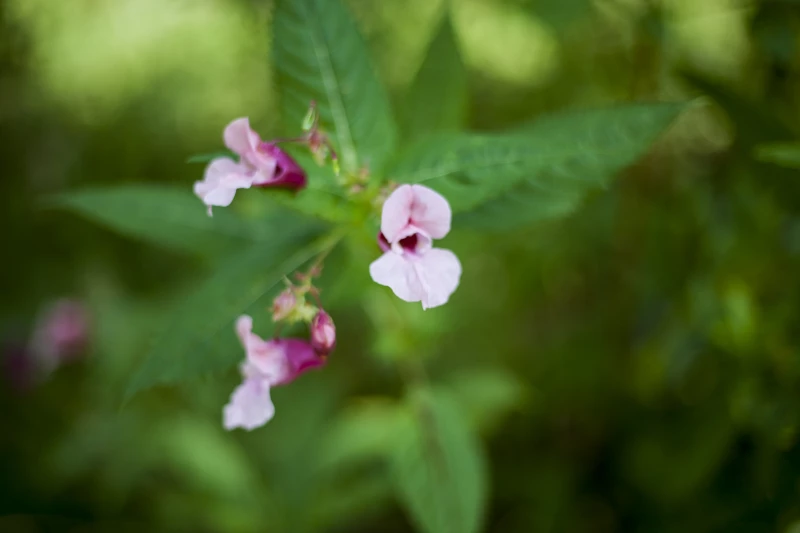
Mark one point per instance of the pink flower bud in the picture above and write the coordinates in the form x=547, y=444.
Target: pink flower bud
x=323, y=333
x=283, y=305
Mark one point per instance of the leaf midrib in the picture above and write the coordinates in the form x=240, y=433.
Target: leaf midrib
x=332, y=89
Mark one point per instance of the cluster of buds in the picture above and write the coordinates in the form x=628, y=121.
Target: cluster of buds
x=281, y=360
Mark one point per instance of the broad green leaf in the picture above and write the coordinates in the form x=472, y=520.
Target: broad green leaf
x=437, y=100
x=362, y=432
x=206, y=158
x=438, y=467
x=320, y=55
x=486, y=395
x=172, y=218
x=200, y=337
x=540, y=171
x=782, y=154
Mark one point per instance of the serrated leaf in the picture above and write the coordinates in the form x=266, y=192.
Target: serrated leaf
x=320, y=55
x=781, y=154
x=207, y=158
x=200, y=337
x=437, y=100
x=438, y=468
x=541, y=171
x=172, y=218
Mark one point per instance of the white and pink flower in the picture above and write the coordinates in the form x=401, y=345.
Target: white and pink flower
x=267, y=364
x=261, y=164
x=412, y=217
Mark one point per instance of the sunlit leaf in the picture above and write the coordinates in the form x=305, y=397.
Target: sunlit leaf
x=540, y=171
x=439, y=469
x=172, y=218
x=437, y=100
x=200, y=337
x=782, y=154
x=320, y=56
x=486, y=394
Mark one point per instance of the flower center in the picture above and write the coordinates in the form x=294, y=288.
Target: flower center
x=409, y=243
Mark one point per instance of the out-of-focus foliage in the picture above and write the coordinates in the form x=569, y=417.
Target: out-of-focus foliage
x=631, y=367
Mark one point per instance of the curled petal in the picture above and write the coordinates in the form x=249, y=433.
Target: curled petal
x=244, y=328
x=222, y=178
x=430, y=212
x=285, y=170
x=396, y=272
x=267, y=359
x=439, y=273
x=250, y=406
x=239, y=137
x=301, y=357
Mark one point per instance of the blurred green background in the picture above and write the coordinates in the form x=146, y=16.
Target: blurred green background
x=632, y=367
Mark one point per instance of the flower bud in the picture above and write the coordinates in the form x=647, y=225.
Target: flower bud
x=287, y=172
x=323, y=333
x=283, y=305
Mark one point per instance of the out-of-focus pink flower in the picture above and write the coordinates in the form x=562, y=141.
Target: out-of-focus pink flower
x=261, y=164
x=267, y=364
x=323, y=333
x=61, y=333
x=412, y=217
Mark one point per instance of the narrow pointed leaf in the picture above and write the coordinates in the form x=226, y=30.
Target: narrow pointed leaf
x=171, y=218
x=199, y=337
x=437, y=100
x=438, y=468
x=781, y=154
x=537, y=172
x=320, y=55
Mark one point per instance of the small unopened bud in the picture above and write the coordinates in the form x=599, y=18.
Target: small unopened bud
x=283, y=305
x=323, y=333
x=311, y=118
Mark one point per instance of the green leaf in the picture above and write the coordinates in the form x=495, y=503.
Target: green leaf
x=486, y=395
x=207, y=158
x=439, y=469
x=172, y=218
x=437, y=100
x=200, y=337
x=320, y=55
x=538, y=172
x=782, y=154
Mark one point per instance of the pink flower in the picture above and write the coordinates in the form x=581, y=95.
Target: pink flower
x=267, y=364
x=261, y=164
x=61, y=333
x=323, y=333
x=412, y=217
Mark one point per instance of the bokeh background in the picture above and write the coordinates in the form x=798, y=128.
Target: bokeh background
x=633, y=367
